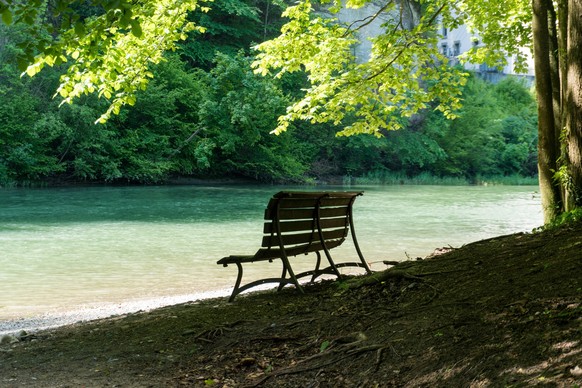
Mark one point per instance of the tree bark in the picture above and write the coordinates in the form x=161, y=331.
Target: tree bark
x=547, y=141
x=561, y=52
x=573, y=105
x=555, y=64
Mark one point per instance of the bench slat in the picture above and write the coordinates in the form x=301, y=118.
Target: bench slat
x=302, y=214
x=297, y=203
x=266, y=254
x=309, y=194
x=329, y=202
x=303, y=238
x=297, y=226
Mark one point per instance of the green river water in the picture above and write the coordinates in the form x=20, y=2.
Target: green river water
x=67, y=248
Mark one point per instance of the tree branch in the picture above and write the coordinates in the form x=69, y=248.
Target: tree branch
x=406, y=46
x=185, y=143
x=367, y=20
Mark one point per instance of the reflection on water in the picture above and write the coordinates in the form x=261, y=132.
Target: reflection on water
x=70, y=247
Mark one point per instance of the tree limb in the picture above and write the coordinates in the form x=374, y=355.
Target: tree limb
x=368, y=19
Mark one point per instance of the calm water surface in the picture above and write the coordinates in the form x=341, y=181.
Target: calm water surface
x=79, y=247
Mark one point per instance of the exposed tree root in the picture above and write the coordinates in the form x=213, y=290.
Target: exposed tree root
x=208, y=334
x=380, y=277
x=326, y=358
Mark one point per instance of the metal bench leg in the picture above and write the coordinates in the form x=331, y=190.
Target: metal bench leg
x=322, y=238
x=237, y=283
x=332, y=264
x=292, y=277
x=283, y=275
x=355, y=241
x=317, y=264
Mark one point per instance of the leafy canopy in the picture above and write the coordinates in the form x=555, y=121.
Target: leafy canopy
x=405, y=71
x=110, y=49
x=110, y=52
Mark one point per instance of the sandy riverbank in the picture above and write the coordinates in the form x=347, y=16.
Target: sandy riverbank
x=57, y=319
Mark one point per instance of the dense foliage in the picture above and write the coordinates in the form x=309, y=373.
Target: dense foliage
x=206, y=114
x=404, y=73
x=491, y=137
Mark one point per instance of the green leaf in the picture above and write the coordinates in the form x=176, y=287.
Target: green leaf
x=79, y=29
x=7, y=17
x=22, y=64
x=29, y=19
x=136, y=28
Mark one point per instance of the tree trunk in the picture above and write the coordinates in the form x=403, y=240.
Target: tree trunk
x=573, y=105
x=555, y=63
x=561, y=52
x=547, y=142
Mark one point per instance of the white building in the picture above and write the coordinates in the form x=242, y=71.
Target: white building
x=359, y=18
x=455, y=42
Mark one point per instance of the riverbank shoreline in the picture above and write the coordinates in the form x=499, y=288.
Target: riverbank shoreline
x=35, y=323
x=75, y=315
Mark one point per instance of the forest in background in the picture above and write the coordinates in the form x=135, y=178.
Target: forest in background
x=207, y=115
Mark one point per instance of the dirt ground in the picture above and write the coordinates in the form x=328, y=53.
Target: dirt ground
x=500, y=312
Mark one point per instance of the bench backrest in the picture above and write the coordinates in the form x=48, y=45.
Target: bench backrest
x=303, y=222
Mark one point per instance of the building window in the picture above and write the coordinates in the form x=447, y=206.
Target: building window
x=444, y=49
x=457, y=48
x=445, y=32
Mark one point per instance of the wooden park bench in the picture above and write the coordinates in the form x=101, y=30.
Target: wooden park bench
x=298, y=223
